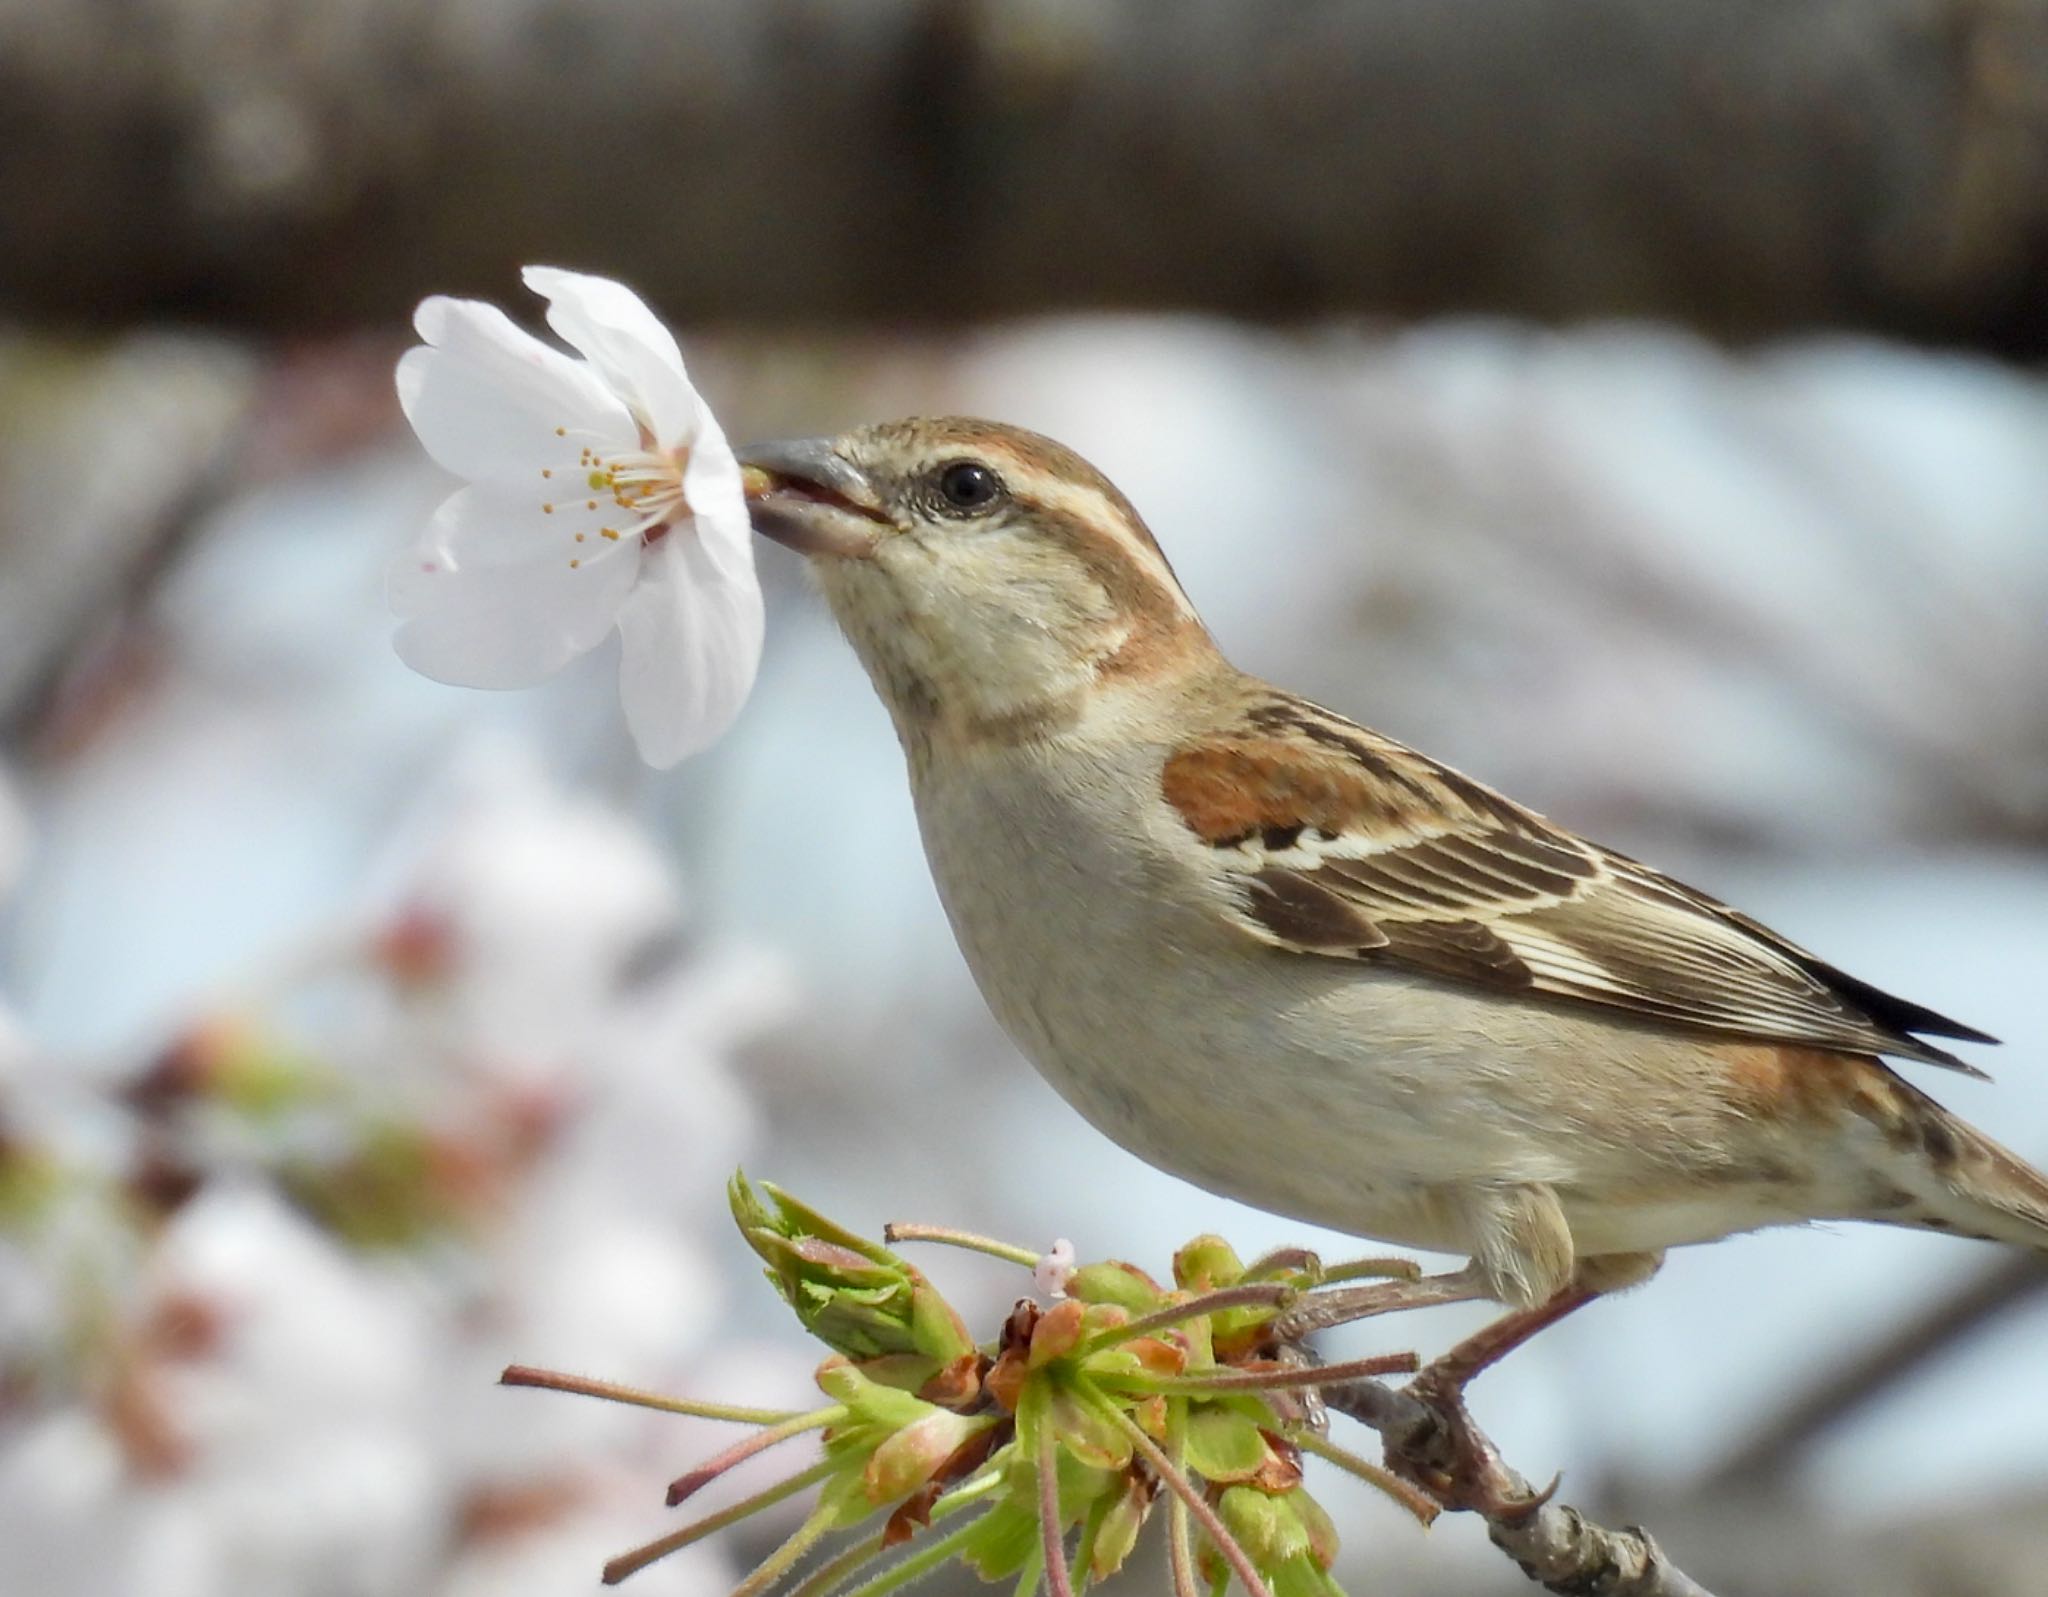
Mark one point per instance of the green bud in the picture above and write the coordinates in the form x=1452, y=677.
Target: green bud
x=913, y=1454
x=1206, y=1264
x=1118, y=1532
x=852, y=1294
x=1113, y=1281
x=1265, y=1524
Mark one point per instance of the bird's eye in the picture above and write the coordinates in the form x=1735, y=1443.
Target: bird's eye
x=969, y=485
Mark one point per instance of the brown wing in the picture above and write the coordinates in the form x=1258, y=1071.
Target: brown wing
x=1349, y=845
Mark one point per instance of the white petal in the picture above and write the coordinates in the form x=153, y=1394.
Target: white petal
x=692, y=644
x=711, y=486
x=489, y=599
x=486, y=398
x=626, y=342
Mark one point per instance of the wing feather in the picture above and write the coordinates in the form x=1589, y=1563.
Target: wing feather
x=1347, y=844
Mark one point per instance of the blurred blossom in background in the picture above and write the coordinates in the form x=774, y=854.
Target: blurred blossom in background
x=360, y=1035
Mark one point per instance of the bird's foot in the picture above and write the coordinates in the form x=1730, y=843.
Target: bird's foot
x=1451, y=1459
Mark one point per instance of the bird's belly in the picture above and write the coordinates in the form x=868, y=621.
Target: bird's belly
x=1135, y=1005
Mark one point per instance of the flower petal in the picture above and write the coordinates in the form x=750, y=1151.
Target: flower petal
x=486, y=397
x=627, y=343
x=692, y=644
x=489, y=599
x=712, y=489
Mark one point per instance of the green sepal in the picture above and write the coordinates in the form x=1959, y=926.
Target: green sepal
x=1321, y=1529
x=870, y=1400
x=1004, y=1538
x=936, y=1329
x=1086, y=1432
x=1223, y=1445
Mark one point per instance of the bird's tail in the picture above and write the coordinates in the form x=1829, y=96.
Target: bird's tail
x=1964, y=1183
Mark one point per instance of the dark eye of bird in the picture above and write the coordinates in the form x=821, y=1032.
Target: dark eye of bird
x=969, y=485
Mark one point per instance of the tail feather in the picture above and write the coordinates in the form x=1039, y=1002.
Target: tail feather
x=1972, y=1186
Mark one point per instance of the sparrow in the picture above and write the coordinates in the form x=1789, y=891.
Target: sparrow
x=1299, y=964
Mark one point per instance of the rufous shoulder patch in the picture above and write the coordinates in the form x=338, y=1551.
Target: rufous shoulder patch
x=1236, y=788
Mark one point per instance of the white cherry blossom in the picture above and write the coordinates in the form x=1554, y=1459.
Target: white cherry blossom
x=600, y=492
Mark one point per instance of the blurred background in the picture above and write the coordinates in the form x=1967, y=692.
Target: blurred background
x=1639, y=407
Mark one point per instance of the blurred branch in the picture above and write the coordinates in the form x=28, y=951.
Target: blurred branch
x=1554, y=1544
x=1751, y=167
x=1805, y=1419
x=110, y=460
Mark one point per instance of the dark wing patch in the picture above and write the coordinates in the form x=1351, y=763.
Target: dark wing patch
x=1302, y=912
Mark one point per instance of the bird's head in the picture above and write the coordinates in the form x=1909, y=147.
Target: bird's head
x=990, y=579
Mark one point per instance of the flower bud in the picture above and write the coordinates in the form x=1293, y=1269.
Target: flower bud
x=1118, y=1532
x=852, y=1294
x=914, y=1454
x=1113, y=1281
x=1206, y=1264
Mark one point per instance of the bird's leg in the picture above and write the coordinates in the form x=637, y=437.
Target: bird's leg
x=1320, y=1311
x=1451, y=1459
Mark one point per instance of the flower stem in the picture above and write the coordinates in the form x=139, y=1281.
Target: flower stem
x=918, y=1564
x=852, y=1560
x=904, y=1231
x=1387, y=1269
x=1180, y=1543
x=848, y=1561
x=1418, y=1502
x=684, y=1485
x=640, y=1557
x=1255, y=1294
x=784, y=1558
x=966, y=1493
x=1059, y=1581
x=1183, y=1489
x=612, y=1392
x=1280, y=1380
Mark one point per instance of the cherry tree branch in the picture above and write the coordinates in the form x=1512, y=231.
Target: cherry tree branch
x=1750, y=167
x=1555, y=1545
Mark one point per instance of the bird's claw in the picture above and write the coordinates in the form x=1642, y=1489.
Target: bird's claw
x=1449, y=1458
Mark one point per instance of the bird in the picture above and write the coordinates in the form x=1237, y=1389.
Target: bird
x=1300, y=964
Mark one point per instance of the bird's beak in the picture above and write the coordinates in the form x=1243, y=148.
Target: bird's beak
x=802, y=492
